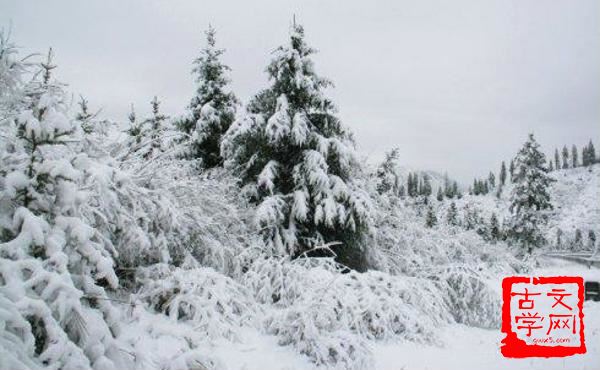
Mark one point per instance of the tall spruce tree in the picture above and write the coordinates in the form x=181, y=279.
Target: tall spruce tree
x=387, y=178
x=212, y=110
x=492, y=180
x=565, y=157
x=530, y=198
x=452, y=215
x=503, y=174
x=557, y=159
x=296, y=161
x=589, y=154
x=574, y=157
x=511, y=170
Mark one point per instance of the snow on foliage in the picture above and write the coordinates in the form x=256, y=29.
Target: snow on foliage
x=311, y=199
x=214, y=304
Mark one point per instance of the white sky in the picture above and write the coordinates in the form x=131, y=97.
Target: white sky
x=456, y=85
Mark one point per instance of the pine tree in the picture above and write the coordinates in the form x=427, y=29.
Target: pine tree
x=578, y=241
x=589, y=154
x=455, y=191
x=565, y=157
x=154, y=131
x=557, y=159
x=511, y=170
x=297, y=161
x=387, y=178
x=452, y=216
x=440, y=194
x=574, y=157
x=530, y=198
x=56, y=265
x=559, y=240
x=426, y=190
x=551, y=166
x=492, y=180
x=430, y=218
x=212, y=110
x=503, y=174
x=84, y=117
x=447, y=187
x=494, y=228
x=591, y=240
x=409, y=185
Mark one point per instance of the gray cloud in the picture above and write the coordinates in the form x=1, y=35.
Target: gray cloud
x=455, y=85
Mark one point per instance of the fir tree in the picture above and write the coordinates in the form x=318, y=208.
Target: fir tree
x=492, y=180
x=84, y=116
x=440, y=194
x=494, y=228
x=430, y=217
x=559, y=240
x=578, y=241
x=296, y=161
x=530, y=198
x=551, y=166
x=565, y=157
x=455, y=191
x=503, y=174
x=154, y=131
x=452, y=215
x=574, y=157
x=591, y=240
x=589, y=154
x=387, y=178
x=557, y=159
x=512, y=170
x=426, y=190
x=212, y=109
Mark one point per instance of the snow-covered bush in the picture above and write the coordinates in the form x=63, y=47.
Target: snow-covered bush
x=327, y=314
x=213, y=303
x=54, y=266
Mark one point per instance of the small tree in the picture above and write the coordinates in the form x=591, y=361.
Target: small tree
x=565, y=157
x=387, y=178
x=530, y=197
x=492, y=180
x=452, y=215
x=551, y=166
x=503, y=174
x=512, y=170
x=440, y=194
x=557, y=159
x=578, y=241
x=494, y=228
x=430, y=217
x=592, y=240
x=212, y=109
x=559, y=240
x=574, y=157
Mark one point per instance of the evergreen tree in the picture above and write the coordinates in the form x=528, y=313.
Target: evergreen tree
x=426, y=190
x=212, y=109
x=591, y=240
x=54, y=266
x=452, y=216
x=589, y=154
x=551, y=166
x=84, y=117
x=492, y=180
x=503, y=174
x=565, y=157
x=530, y=198
x=447, y=187
x=557, y=159
x=455, y=191
x=296, y=161
x=154, y=131
x=440, y=194
x=494, y=228
x=512, y=170
x=559, y=240
x=401, y=191
x=430, y=217
x=574, y=157
x=387, y=178
x=134, y=131
x=578, y=242
x=409, y=185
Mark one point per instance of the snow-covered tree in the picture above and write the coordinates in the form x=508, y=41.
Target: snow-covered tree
x=492, y=180
x=530, y=198
x=503, y=174
x=440, y=194
x=494, y=228
x=577, y=244
x=430, y=217
x=574, y=157
x=557, y=159
x=550, y=166
x=54, y=266
x=589, y=154
x=452, y=215
x=387, y=178
x=213, y=107
x=297, y=161
x=154, y=132
x=565, y=157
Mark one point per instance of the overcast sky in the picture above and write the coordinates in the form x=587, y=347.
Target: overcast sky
x=456, y=85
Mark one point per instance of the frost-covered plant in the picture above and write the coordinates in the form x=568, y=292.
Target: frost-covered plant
x=212, y=109
x=297, y=161
x=54, y=266
x=330, y=320
x=213, y=303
